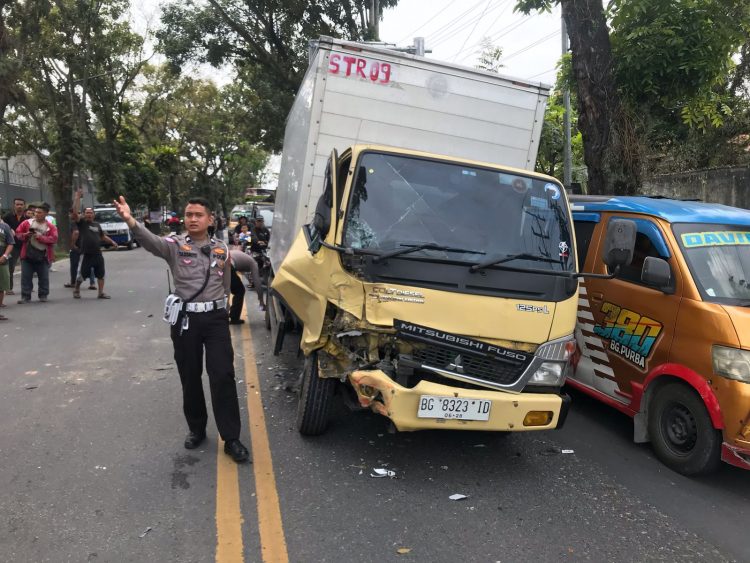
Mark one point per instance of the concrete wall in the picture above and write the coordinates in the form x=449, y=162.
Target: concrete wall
x=730, y=186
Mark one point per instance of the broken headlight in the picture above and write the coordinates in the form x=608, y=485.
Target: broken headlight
x=731, y=363
x=556, y=355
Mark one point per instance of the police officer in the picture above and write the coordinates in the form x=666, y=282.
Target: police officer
x=201, y=269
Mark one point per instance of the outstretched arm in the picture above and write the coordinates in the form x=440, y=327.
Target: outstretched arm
x=76, y=209
x=156, y=245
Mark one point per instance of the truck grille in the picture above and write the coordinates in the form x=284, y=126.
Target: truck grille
x=471, y=365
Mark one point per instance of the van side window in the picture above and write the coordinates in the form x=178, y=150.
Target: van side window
x=644, y=247
x=584, y=232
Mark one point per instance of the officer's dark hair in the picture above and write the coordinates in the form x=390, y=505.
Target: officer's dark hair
x=200, y=201
x=44, y=206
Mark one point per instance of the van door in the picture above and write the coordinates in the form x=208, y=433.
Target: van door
x=629, y=326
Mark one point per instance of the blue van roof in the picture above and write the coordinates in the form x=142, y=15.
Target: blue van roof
x=671, y=210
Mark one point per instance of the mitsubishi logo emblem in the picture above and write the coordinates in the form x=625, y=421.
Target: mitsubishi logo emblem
x=456, y=365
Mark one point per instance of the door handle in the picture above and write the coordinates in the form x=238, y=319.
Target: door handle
x=597, y=297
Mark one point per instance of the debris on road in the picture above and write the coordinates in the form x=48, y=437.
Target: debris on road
x=403, y=550
x=458, y=496
x=568, y=451
x=146, y=531
x=30, y=387
x=380, y=472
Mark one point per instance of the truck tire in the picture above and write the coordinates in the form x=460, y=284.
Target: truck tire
x=130, y=245
x=269, y=304
x=681, y=431
x=315, y=399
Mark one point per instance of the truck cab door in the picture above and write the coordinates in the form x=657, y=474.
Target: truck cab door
x=629, y=325
x=323, y=225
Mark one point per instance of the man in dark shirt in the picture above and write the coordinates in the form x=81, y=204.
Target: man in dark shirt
x=15, y=218
x=90, y=238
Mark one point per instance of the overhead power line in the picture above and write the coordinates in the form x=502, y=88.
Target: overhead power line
x=532, y=45
x=497, y=35
x=456, y=27
x=411, y=34
x=473, y=29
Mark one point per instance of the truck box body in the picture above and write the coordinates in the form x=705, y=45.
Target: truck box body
x=359, y=94
x=430, y=271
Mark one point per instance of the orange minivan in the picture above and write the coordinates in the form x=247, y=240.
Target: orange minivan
x=667, y=340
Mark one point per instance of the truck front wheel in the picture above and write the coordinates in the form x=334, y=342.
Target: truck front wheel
x=681, y=431
x=315, y=399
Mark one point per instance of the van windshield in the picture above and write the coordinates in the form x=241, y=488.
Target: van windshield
x=107, y=216
x=399, y=202
x=719, y=260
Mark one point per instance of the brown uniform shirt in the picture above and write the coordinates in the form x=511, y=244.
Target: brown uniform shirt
x=188, y=263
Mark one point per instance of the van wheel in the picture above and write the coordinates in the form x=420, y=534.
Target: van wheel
x=315, y=399
x=681, y=431
x=130, y=245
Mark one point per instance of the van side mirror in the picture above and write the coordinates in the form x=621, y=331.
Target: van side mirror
x=619, y=244
x=656, y=272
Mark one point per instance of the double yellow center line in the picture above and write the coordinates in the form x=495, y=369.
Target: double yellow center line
x=229, y=520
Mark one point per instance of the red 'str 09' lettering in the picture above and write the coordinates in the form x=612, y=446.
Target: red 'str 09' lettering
x=359, y=67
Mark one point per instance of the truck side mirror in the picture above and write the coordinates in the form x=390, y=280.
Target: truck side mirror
x=620, y=242
x=656, y=272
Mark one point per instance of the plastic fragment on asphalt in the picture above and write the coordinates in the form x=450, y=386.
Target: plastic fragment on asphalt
x=380, y=472
x=30, y=387
x=403, y=550
x=458, y=496
x=568, y=451
x=146, y=531
x=31, y=373
x=480, y=446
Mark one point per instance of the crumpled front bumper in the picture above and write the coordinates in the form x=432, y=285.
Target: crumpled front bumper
x=383, y=395
x=737, y=455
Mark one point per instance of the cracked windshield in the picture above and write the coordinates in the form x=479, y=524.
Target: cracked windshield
x=719, y=257
x=480, y=215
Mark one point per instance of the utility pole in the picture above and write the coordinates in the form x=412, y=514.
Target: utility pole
x=375, y=19
x=567, y=152
x=419, y=46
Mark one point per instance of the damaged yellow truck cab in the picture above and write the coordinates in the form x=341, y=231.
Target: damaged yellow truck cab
x=423, y=332
x=430, y=272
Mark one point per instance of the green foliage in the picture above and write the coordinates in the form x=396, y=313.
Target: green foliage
x=265, y=42
x=672, y=54
x=550, y=156
x=489, y=58
x=201, y=138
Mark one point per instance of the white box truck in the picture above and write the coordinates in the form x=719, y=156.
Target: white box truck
x=431, y=271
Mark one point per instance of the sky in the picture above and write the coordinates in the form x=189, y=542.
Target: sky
x=452, y=30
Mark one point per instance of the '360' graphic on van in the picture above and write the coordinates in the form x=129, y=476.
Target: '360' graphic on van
x=630, y=335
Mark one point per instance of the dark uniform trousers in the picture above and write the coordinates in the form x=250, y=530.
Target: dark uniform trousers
x=209, y=330
x=237, y=289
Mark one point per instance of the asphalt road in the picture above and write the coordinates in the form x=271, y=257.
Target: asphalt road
x=93, y=467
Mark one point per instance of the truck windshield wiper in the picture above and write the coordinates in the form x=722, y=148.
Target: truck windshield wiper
x=510, y=257
x=409, y=248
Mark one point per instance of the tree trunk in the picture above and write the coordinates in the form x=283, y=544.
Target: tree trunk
x=610, y=148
